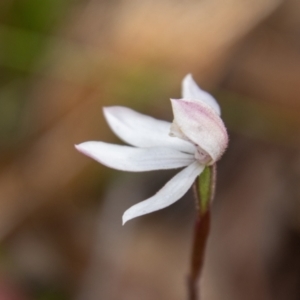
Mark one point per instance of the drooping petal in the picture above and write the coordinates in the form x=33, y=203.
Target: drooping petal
x=200, y=124
x=192, y=92
x=132, y=159
x=143, y=131
x=170, y=193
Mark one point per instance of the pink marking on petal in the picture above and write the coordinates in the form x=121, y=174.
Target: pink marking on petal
x=202, y=126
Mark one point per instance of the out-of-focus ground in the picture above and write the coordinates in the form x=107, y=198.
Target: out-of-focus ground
x=61, y=61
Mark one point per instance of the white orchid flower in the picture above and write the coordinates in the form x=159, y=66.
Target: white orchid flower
x=196, y=138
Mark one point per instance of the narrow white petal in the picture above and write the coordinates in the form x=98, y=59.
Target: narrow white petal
x=192, y=92
x=170, y=193
x=132, y=159
x=143, y=131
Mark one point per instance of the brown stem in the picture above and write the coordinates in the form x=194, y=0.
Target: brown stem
x=201, y=232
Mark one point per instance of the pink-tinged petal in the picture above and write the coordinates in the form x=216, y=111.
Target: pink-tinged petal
x=170, y=193
x=200, y=124
x=143, y=131
x=192, y=92
x=132, y=159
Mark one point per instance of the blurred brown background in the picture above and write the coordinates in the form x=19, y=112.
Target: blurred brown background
x=61, y=61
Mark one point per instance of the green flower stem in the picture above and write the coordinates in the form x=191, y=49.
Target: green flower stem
x=204, y=189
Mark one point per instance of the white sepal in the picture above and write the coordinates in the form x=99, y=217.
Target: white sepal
x=143, y=131
x=192, y=92
x=172, y=191
x=132, y=159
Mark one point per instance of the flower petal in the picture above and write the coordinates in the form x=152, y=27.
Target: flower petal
x=200, y=124
x=192, y=92
x=170, y=193
x=132, y=159
x=143, y=131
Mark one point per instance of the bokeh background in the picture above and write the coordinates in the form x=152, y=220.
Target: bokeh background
x=61, y=61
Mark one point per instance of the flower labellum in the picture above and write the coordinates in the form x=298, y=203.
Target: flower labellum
x=196, y=138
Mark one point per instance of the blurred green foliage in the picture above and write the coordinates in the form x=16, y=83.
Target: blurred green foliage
x=11, y=105
x=51, y=294
x=258, y=119
x=24, y=29
x=142, y=87
x=36, y=15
